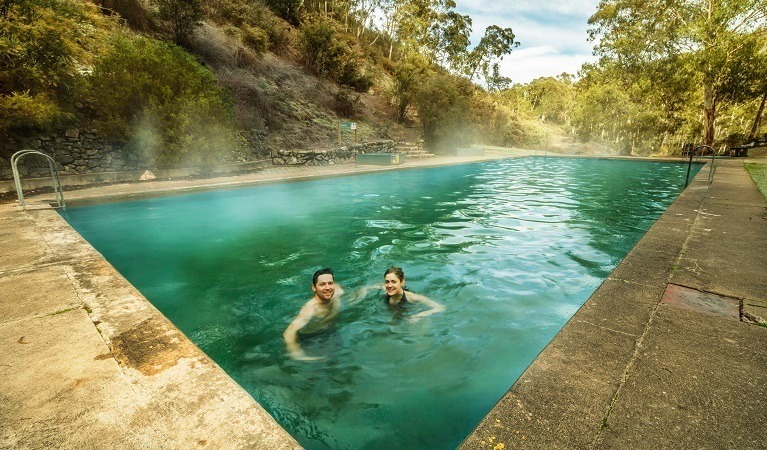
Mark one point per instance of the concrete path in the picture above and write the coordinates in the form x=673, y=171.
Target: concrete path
x=661, y=356
x=653, y=360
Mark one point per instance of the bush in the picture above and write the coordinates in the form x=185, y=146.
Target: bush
x=255, y=39
x=132, y=12
x=25, y=111
x=253, y=14
x=183, y=17
x=443, y=104
x=143, y=84
x=42, y=46
x=287, y=9
x=346, y=103
x=332, y=54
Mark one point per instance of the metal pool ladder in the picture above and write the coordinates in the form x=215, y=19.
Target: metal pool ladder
x=711, y=170
x=54, y=175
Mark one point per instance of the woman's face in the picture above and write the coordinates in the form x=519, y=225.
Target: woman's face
x=393, y=284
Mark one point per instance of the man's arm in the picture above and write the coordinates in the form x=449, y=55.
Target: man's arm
x=291, y=333
x=362, y=292
x=433, y=306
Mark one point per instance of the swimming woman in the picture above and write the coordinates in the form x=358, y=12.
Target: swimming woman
x=398, y=295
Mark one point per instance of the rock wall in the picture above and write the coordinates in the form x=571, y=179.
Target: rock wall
x=340, y=155
x=78, y=151
x=83, y=152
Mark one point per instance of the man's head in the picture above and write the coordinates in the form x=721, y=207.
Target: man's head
x=323, y=284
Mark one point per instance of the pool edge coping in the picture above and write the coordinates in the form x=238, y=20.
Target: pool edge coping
x=60, y=241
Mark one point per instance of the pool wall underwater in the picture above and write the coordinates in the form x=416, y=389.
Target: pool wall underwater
x=148, y=347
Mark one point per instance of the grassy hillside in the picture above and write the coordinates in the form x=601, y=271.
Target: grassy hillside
x=296, y=109
x=197, y=83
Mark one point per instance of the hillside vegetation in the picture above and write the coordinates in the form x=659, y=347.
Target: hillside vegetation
x=197, y=82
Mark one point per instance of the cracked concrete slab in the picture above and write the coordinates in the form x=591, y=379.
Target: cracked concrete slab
x=35, y=293
x=87, y=400
x=698, y=382
x=702, y=302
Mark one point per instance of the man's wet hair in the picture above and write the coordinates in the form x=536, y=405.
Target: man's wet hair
x=324, y=271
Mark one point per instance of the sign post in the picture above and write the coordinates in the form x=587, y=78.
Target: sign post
x=347, y=126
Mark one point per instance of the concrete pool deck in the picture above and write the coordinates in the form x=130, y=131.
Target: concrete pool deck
x=648, y=361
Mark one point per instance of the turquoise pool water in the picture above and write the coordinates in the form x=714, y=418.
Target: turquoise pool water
x=512, y=248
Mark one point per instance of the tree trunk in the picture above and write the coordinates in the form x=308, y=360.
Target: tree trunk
x=709, y=114
x=757, y=119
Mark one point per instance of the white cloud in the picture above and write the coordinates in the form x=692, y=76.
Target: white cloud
x=552, y=36
x=523, y=66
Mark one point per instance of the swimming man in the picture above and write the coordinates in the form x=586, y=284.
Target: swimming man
x=322, y=308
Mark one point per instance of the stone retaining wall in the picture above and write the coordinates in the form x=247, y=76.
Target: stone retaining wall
x=78, y=151
x=81, y=151
x=329, y=157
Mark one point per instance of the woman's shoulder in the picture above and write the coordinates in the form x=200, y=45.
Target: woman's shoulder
x=414, y=296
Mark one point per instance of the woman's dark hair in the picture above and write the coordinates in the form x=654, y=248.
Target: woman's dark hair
x=324, y=271
x=396, y=271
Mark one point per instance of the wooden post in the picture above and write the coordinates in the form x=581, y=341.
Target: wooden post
x=339, y=132
x=355, y=135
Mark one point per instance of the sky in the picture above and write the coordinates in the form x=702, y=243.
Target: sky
x=552, y=35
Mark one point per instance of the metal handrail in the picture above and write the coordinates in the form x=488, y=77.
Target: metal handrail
x=58, y=191
x=697, y=152
x=711, y=169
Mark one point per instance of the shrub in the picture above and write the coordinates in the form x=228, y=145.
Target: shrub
x=255, y=38
x=345, y=103
x=42, y=46
x=132, y=12
x=287, y=9
x=24, y=111
x=183, y=16
x=141, y=81
x=332, y=54
x=442, y=101
x=253, y=14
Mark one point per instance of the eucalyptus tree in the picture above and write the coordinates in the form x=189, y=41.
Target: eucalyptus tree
x=484, y=58
x=551, y=99
x=706, y=36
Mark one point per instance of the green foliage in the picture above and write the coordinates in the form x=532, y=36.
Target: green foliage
x=483, y=59
x=709, y=38
x=443, y=104
x=330, y=53
x=550, y=99
x=251, y=15
x=43, y=47
x=157, y=89
x=24, y=111
x=498, y=122
x=287, y=9
x=182, y=16
x=255, y=38
x=408, y=72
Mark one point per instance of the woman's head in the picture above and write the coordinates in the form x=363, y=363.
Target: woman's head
x=396, y=271
x=394, y=281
